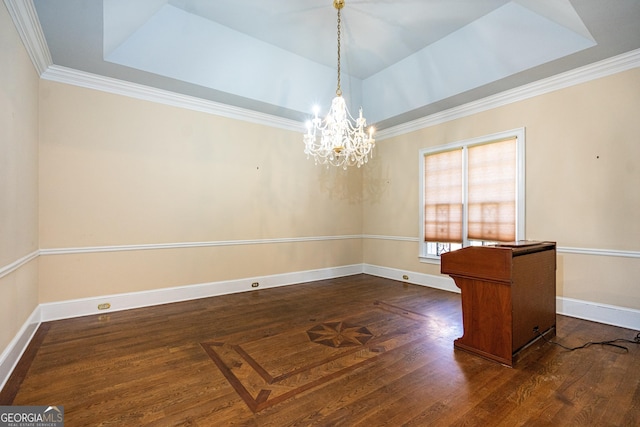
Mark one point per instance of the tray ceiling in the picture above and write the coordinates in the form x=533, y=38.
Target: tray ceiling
x=401, y=59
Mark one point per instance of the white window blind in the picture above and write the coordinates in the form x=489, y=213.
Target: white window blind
x=443, y=197
x=492, y=191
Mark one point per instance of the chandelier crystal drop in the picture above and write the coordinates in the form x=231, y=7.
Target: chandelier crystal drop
x=339, y=139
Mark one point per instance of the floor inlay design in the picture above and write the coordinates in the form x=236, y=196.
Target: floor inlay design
x=274, y=368
x=339, y=334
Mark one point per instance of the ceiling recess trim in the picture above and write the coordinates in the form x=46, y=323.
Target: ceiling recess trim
x=616, y=64
x=580, y=75
x=70, y=76
x=606, y=67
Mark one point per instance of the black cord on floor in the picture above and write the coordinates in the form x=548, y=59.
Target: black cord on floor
x=611, y=343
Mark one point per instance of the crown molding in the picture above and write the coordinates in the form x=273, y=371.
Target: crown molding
x=613, y=65
x=107, y=84
x=25, y=18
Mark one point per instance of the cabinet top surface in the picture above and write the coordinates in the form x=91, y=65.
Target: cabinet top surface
x=495, y=261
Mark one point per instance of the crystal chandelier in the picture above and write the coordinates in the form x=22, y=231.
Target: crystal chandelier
x=339, y=139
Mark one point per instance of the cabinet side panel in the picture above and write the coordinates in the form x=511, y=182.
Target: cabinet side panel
x=486, y=312
x=534, y=295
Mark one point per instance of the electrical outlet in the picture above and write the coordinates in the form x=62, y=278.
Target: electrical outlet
x=104, y=306
x=255, y=284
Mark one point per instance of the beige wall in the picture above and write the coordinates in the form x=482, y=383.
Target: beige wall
x=18, y=182
x=117, y=171
x=582, y=184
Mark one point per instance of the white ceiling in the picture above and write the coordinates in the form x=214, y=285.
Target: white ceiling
x=401, y=59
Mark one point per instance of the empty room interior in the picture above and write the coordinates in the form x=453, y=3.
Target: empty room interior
x=184, y=240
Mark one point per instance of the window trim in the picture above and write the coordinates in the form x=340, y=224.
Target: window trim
x=519, y=134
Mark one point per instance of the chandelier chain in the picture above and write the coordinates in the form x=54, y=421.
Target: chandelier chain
x=338, y=89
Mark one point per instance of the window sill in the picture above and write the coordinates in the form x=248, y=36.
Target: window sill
x=429, y=259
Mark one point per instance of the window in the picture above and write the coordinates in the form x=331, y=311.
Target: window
x=472, y=193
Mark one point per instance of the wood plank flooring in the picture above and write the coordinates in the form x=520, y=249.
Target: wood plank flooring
x=353, y=351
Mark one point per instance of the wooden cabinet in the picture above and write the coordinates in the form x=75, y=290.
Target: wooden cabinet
x=508, y=292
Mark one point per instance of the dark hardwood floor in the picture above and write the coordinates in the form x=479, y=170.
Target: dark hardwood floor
x=354, y=351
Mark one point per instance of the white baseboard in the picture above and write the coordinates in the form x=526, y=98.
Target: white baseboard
x=444, y=283
x=87, y=306
x=602, y=313
x=597, y=312
x=12, y=354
